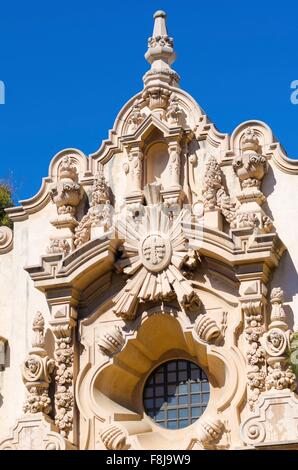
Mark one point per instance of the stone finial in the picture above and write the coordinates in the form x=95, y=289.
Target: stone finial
x=160, y=45
x=38, y=330
x=160, y=53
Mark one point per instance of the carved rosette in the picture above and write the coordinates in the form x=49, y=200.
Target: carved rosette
x=111, y=341
x=64, y=399
x=99, y=216
x=152, y=257
x=36, y=372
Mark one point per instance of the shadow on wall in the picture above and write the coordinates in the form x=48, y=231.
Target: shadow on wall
x=286, y=277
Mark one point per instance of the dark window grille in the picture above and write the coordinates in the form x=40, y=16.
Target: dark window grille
x=176, y=394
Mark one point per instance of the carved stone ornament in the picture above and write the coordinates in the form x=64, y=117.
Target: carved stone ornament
x=114, y=437
x=207, y=329
x=111, y=341
x=250, y=167
x=59, y=246
x=214, y=194
x=64, y=400
x=209, y=430
x=99, y=216
x=36, y=372
x=276, y=343
x=35, y=432
x=6, y=237
x=135, y=118
x=157, y=98
x=66, y=193
x=275, y=419
x=152, y=257
x=255, y=354
x=174, y=112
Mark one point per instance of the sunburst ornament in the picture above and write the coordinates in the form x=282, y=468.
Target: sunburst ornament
x=154, y=252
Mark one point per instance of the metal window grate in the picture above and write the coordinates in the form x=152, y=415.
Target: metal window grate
x=176, y=394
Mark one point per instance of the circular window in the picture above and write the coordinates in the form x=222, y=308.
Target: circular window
x=176, y=394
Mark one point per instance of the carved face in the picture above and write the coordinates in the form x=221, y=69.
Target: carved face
x=155, y=252
x=275, y=339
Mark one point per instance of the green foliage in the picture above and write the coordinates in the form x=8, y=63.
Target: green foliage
x=5, y=201
x=294, y=353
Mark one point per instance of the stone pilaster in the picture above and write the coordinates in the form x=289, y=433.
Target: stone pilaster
x=63, y=325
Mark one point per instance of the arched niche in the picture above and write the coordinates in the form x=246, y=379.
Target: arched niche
x=115, y=384
x=156, y=158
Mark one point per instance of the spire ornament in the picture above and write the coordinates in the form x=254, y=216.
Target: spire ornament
x=160, y=54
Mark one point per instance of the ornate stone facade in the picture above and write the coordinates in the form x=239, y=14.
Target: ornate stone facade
x=173, y=243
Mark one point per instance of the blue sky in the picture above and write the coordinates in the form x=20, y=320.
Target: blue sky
x=69, y=66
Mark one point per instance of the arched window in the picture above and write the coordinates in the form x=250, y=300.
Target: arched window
x=176, y=394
